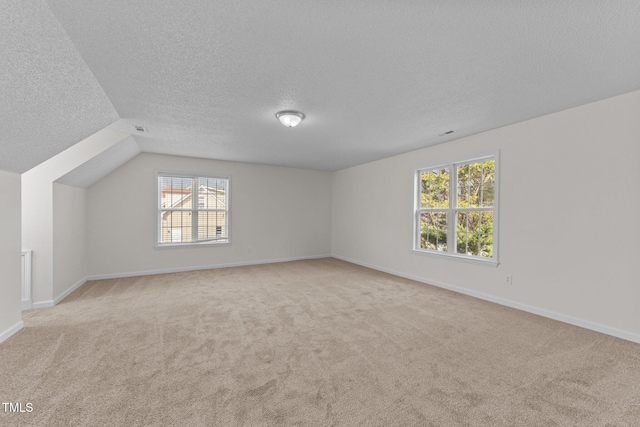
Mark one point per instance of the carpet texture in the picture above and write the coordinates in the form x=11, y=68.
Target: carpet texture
x=307, y=343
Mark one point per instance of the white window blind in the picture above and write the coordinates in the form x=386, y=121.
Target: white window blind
x=192, y=209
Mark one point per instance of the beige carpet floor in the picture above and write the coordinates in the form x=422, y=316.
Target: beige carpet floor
x=308, y=343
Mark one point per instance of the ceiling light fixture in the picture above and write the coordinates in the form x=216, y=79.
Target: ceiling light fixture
x=290, y=118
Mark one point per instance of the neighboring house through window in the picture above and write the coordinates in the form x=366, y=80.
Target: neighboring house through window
x=181, y=221
x=456, y=209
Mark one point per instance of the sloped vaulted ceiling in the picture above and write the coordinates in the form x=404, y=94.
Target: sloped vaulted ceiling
x=50, y=98
x=375, y=78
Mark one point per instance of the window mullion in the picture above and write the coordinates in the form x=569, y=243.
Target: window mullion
x=418, y=233
x=453, y=203
x=194, y=210
x=474, y=209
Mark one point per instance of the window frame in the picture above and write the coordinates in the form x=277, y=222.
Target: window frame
x=452, y=210
x=195, y=207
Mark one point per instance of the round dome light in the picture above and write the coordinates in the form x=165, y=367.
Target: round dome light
x=290, y=118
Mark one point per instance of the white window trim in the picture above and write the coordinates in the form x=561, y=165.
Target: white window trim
x=452, y=185
x=158, y=211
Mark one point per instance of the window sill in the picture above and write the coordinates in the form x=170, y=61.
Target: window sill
x=190, y=245
x=456, y=257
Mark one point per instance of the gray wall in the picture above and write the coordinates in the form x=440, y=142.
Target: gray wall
x=569, y=229
x=276, y=213
x=10, y=254
x=69, y=231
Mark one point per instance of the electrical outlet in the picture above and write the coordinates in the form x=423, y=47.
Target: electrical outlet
x=508, y=279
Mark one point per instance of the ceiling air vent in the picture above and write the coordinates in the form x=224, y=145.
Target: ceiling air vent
x=141, y=129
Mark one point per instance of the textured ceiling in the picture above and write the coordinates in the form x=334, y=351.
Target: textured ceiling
x=375, y=78
x=49, y=99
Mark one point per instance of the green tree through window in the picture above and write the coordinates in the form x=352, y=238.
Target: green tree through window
x=457, y=203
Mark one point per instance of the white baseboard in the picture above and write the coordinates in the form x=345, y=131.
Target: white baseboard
x=26, y=305
x=200, y=267
x=12, y=330
x=42, y=304
x=51, y=303
x=66, y=293
x=56, y=300
x=629, y=336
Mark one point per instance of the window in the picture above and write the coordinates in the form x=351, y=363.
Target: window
x=183, y=221
x=456, y=209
